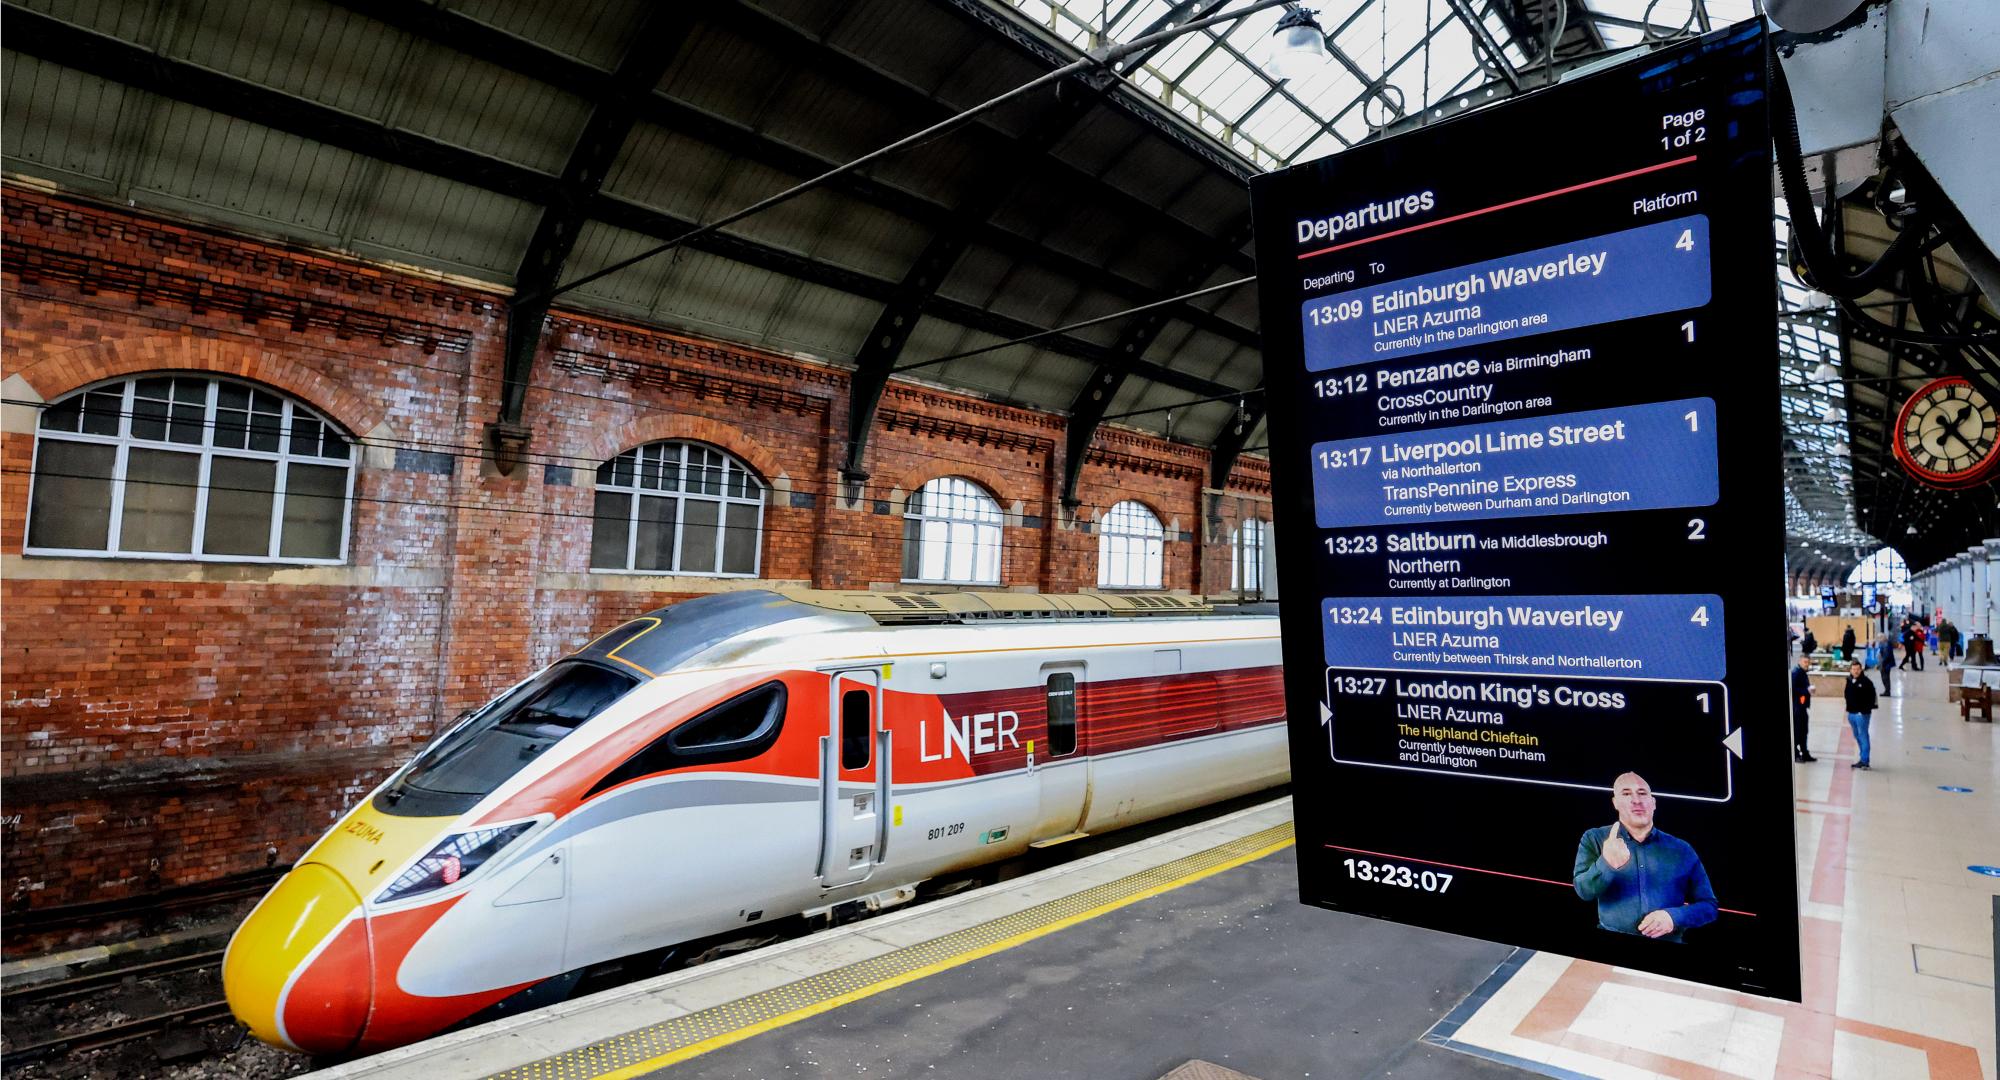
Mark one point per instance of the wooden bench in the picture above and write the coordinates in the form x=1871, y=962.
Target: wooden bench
x=1976, y=697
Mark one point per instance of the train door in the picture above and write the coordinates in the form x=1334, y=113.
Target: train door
x=1061, y=769
x=854, y=779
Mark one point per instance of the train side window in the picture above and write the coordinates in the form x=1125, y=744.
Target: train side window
x=1062, y=714
x=742, y=727
x=855, y=727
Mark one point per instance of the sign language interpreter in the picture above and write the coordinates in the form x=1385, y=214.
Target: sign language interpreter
x=1644, y=881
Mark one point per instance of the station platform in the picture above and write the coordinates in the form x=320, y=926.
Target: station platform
x=1897, y=931
x=1192, y=946
x=1187, y=946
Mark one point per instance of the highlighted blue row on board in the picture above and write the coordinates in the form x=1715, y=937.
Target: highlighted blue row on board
x=1636, y=457
x=1647, y=636
x=1642, y=271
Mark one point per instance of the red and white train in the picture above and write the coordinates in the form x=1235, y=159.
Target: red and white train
x=740, y=758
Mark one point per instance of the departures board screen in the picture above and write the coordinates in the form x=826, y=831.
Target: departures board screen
x=1525, y=438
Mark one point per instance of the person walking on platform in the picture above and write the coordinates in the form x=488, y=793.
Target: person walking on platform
x=1810, y=645
x=1847, y=643
x=1860, y=694
x=1947, y=641
x=1885, y=660
x=1801, y=708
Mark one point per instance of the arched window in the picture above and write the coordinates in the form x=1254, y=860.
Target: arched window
x=1131, y=548
x=677, y=508
x=189, y=467
x=1246, y=555
x=952, y=534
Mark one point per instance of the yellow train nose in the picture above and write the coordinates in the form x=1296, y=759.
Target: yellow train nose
x=308, y=928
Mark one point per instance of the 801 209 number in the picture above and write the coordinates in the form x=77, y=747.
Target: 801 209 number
x=946, y=830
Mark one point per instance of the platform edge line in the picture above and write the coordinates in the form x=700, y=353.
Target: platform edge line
x=716, y=1042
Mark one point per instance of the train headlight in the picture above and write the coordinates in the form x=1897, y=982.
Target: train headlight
x=453, y=858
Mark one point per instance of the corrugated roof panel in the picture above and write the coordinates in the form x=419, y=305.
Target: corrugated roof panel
x=934, y=337
x=830, y=120
x=978, y=273
x=1157, y=172
x=1211, y=203
x=868, y=28
x=676, y=174
x=992, y=70
x=706, y=291
x=726, y=73
x=60, y=118
x=305, y=47
x=245, y=168
x=873, y=241
x=123, y=20
x=821, y=321
x=934, y=169
x=487, y=108
x=596, y=32
x=1028, y=376
x=442, y=222
x=1198, y=352
x=633, y=289
x=1037, y=297
x=1097, y=141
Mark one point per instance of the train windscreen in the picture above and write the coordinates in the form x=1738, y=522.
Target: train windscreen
x=496, y=742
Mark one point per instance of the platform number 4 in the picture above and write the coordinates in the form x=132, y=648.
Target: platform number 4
x=1700, y=616
x=1686, y=242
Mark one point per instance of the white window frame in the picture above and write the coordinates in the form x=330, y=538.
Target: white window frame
x=731, y=465
x=125, y=442
x=971, y=517
x=1130, y=536
x=1247, y=544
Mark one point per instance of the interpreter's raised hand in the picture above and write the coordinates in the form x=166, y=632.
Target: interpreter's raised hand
x=1616, y=852
x=1657, y=924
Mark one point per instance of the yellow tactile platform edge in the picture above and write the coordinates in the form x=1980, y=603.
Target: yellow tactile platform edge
x=635, y=1053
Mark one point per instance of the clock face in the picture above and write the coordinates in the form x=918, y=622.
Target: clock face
x=1947, y=434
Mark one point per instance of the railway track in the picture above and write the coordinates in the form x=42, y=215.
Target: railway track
x=208, y=1006
x=114, y=1034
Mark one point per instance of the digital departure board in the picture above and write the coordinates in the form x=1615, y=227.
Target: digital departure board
x=1525, y=432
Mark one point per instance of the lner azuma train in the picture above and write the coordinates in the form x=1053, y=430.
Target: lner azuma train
x=740, y=758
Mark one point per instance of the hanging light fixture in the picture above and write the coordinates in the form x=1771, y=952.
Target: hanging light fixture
x=1829, y=415
x=1298, y=46
x=1824, y=373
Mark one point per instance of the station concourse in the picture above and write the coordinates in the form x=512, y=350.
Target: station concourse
x=559, y=539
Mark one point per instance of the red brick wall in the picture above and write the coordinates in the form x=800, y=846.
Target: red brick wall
x=168, y=723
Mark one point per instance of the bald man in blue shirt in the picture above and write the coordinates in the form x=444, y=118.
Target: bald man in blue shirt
x=1644, y=881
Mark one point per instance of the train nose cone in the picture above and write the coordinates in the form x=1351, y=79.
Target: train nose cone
x=298, y=972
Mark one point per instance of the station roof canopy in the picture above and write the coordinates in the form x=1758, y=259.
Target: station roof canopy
x=441, y=134
x=526, y=143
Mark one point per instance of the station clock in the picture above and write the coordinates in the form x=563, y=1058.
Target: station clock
x=1947, y=435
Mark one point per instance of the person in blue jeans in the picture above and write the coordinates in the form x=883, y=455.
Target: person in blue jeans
x=1860, y=703
x=1644, y=881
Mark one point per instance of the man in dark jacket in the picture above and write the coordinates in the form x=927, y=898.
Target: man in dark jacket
x=1811, y=643
x=1847, y=643
x=1801, y=706
x=1644, y=881
x=1860, y=695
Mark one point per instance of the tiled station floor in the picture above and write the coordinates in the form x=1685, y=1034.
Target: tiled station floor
x=1897, y=931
